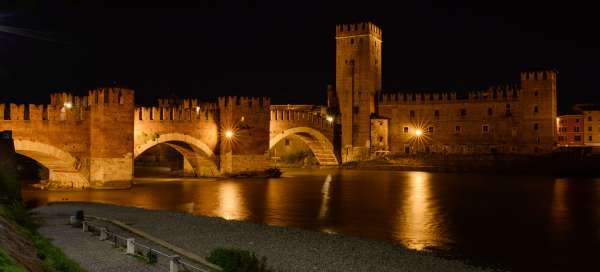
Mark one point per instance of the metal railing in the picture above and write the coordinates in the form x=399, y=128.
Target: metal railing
x=175, y=262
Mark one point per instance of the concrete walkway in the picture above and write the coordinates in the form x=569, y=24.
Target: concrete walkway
x=287, y=249
x=91, y=253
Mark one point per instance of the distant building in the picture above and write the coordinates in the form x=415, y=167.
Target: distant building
x=591, y=119
x=570, y=130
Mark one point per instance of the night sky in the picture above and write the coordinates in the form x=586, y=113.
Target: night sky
x=286, y=49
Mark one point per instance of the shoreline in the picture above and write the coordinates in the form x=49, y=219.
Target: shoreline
x=286, y=249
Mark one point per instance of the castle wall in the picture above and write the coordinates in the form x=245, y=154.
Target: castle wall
x=503, y=120
x=111, y=137
x=248, y=120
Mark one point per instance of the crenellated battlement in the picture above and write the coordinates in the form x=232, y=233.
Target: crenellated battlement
x=246, y=104
x=300, y=116
x=495, y=93
x=110, y=96
x=364, y=28
x=542, y=74
x=203, y=112
x=32, y=112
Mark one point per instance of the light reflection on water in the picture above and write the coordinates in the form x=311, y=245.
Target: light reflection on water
x=515, y=221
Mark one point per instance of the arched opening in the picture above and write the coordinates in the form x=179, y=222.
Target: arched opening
x=163, y=160
x=62, y=168
x=30, y=171
x=302, y=146
x=174, y=154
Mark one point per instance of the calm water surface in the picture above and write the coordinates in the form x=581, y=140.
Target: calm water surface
x=522, y=223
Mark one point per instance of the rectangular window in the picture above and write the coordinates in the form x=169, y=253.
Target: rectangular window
x=576, y=129
x=576, y=120
x=463, y=112
x=405, y=129
x=561, y=138
x=590, y=138
x=514, y=131
x=577, y=138
x=536, y=126
x=457, y=129
x=589, y=128
x=430, y=130
x=436, y=114
x=485, y=129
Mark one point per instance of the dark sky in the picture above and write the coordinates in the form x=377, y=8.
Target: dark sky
x=286, y=49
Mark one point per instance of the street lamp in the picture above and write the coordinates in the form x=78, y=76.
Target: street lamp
x=418, y=133
x=68, y=105
x=229, y=134
x=329, y=118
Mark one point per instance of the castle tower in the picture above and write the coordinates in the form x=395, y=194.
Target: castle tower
x=244, y=134
x=111, y=137
x=538, y=109
x=358, y=78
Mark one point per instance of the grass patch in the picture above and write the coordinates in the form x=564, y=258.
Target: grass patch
x=7, y=264
x=237, y=260
x=52, y=258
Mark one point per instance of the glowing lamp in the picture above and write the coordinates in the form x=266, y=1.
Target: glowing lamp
x=197, y=110
x=229, y=134
x=329, y=118
x=68, y=105
x=418, y=132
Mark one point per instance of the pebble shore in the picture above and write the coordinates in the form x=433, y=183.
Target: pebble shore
x=286, y=249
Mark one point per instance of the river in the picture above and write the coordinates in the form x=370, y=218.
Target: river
x=512, y=222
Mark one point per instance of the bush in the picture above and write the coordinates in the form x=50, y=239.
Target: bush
x=151, y=257
x=7, y=264
x=236, y=260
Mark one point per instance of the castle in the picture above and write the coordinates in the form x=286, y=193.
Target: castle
x=93, y=140
x=509, y=119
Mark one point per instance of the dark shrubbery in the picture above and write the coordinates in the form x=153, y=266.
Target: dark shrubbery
x=151, y=257
x=236, y=260
x=53, y=259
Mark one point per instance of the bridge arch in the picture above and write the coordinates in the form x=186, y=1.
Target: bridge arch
x=318, y=143
x=196, y=152
x=64, y=169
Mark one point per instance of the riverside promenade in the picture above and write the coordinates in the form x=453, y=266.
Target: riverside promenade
x=286, y=249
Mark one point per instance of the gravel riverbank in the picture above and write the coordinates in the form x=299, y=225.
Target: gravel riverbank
x=286, y=249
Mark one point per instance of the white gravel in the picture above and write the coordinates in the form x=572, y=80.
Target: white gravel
x=286, y=249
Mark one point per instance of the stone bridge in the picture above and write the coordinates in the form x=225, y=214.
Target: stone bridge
x=315, y=130
x=92, y=141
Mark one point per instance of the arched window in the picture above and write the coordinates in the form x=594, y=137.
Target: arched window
x=535, y=109
x=412, y=114
x=436, y=114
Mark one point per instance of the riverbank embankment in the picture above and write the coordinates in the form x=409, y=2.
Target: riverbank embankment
x=567, y=164
x=286, y=249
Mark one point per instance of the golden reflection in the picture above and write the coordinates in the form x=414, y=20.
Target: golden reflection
x=325, y=197
x=415, y=222
x=231, y=204
x=559, y=210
